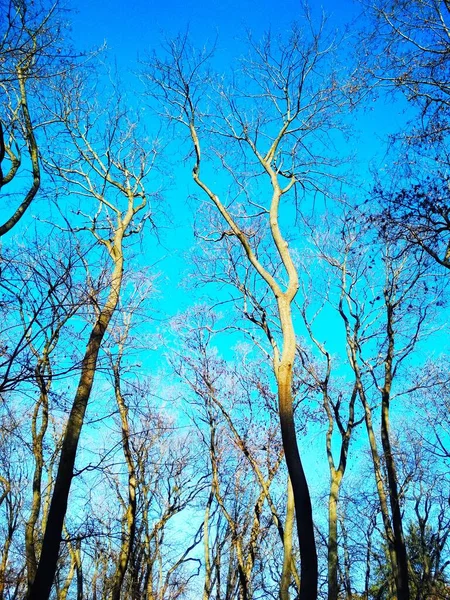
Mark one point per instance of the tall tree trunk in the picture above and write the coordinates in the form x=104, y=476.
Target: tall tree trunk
x=303, y=509
x=30, y=551
x=287, y=544
x=402, y=579
x=4, y=561
x=379, y=484
x=208, y=571
x=336, y=477
x=333, y=499
x=284, y=364
x=129, y=526
x=41, y=587
x=42, y=367
x=347, y=562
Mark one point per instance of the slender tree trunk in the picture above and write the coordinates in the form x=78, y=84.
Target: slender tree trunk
x=41, y=587
x=333, y=499
x=283, y=366
x=352, y=344
x=303, y=509
x=79, y=567
x=37, y=437
x=394, y=556
x=336, y=477
x=287, y=544
x=347, y=562
x=368, y=563
x=264, y=483
x=129, y=526
x=207, y=586
x=62, y=594
x=252, y=546
x=402, y=579
x=380, y=488
x=4, y=563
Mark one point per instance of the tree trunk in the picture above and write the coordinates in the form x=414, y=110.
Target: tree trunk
x=379, y=484
x=37, y=437
x=333, y=499
x=42, y=585
x=287, y=544
x=402, y=578
x=303, y=509
x=129, y=525
x=207, y=586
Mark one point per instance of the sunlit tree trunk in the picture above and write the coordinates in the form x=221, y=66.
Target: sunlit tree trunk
x=117, y=171
x=286, y=573
x=261, y=133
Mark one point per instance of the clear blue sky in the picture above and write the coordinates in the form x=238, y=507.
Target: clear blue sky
x=131, y=27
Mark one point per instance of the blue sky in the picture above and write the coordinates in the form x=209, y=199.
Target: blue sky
x=130, y=27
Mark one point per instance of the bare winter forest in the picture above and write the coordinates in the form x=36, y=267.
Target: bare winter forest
x=224, y=268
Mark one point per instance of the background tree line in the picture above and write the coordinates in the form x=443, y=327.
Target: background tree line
x=286, y=433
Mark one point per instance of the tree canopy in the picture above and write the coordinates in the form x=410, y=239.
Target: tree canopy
x=223, y=289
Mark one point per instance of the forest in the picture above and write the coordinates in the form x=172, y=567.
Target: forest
x=224, y=269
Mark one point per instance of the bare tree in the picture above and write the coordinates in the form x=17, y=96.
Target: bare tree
x=419, y=212
x=396, y=317
x=114, y=178
x=63, y=303
x=276, y=119
x=129, y=520
x=37, y=290
x=338, y=400
x=120, y=334
x=162, y=562
x=409, y=50
x=13, y=476
x=240, y=484
x=411, y=41
x=433, y=399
